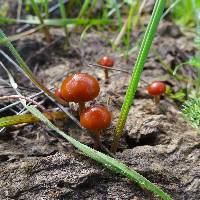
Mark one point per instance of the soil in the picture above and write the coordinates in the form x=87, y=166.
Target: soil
x=157, y=141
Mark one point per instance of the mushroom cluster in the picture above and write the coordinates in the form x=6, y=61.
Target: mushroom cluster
x=81, y=88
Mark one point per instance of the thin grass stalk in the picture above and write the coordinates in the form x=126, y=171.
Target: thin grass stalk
x=137, y=70
x=129, y=26
x=64, y=16
x=91, y=8
x=19, y=9
x=84, y=8
x=118, y=14
x=46, y=8
x=38, y=14
x=28, y=118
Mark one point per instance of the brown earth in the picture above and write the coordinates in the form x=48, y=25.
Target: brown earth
x=158, y=143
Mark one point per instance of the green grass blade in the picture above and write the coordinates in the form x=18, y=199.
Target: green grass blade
x=91, y=7
x=84, y=8
x=38, y=14
x=145, y=47
x=26, y=69
x=133, y=8
x=46, y=8
x=6, y=20
x=62, y=9
x=64, y=16
x=105, y=160
x=37, y=11
x=27, y=118
x=16, y=119
x=118, y=14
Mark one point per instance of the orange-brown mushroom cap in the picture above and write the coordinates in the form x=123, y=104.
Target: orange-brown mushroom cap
x=58, y=93
x=95, y=118
x=80, y=87
x=106, y=61
x=156, y=88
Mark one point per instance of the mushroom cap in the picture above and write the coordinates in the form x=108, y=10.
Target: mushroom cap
x=95, y=118
x=106, y=61
x=80, y=87
x=156, y=88
x=58, y=93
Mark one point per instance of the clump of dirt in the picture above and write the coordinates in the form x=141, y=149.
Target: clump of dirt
x=157, y=142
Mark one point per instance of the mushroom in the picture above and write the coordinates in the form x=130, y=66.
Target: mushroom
x=95, y=119
x=156, y=89
x=58, y=93
x=80, y=88
x=106, y=62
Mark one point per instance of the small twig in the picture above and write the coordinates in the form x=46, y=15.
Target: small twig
x=109, y=68
x=27, y=99
x=115, y=69
x=18, y=102
x=11, y=61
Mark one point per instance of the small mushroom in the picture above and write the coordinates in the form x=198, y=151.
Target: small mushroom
x=156, y=89
x=80, y=88
x=95, y=119
x=107, y=62
x=58, y=93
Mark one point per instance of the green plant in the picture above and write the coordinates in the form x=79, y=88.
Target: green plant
x=46, y=8
x=28, y=118
x=64, y=16
x=191, y=106
x=124, y=35
x=134, y=8
x=38, y=14
x=137, y=70
x=4, y=9
x=191, y=111
x=115, y=6
x=189, y=8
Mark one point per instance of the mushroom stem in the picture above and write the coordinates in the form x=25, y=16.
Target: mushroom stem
x=106, y=75
x=97, y=141
x=157, y=99
x=81, y=106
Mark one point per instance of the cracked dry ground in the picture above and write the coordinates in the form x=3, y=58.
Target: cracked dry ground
x=157, y=143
